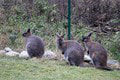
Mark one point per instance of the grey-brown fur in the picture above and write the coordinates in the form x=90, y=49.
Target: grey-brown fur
x=72, y=50
x=97, y=52
x=34, y=45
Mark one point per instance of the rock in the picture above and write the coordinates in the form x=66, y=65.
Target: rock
x=12, y=53
x=65, y=58
x=7, y=49
x=49, y=54
x=24, y=54
x=87, y=58
x=113, y=63
x=2, y=52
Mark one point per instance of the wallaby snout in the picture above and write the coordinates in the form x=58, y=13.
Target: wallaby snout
x=86, y=38
x=26, y=34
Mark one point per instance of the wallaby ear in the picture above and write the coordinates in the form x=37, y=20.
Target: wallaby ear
x=89, y=34
x=28, y=30
x=83, y=38
x=57, y=35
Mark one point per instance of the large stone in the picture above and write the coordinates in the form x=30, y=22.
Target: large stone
x=113, y=63
x=87, y=58
x=49, y=54
x=12, y=53
x=24, y=54
x=7, y=49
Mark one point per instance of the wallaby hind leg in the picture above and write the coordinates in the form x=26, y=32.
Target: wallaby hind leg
x=30, y=53
x=81, y=64
x=71, y=62
x=39, y=55
x=96, y=63
x=74, y=62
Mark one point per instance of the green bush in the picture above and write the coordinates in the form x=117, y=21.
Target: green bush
x=115, y=46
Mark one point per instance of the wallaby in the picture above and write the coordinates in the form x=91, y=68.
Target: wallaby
x=72, y=51
x=34, y=44
x=97, y=52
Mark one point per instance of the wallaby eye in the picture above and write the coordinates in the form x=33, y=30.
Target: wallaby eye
x=85, y=39
x=24, y=34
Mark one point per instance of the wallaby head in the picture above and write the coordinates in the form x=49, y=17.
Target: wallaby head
x=87, y=38
x=27, y=34
x=60, y=40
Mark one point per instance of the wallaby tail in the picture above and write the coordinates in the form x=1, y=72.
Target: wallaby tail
x=105, y=68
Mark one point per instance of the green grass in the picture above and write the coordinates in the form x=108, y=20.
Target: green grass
x=13, y=68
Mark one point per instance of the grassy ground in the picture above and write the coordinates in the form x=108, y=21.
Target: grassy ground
x=13, y=68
